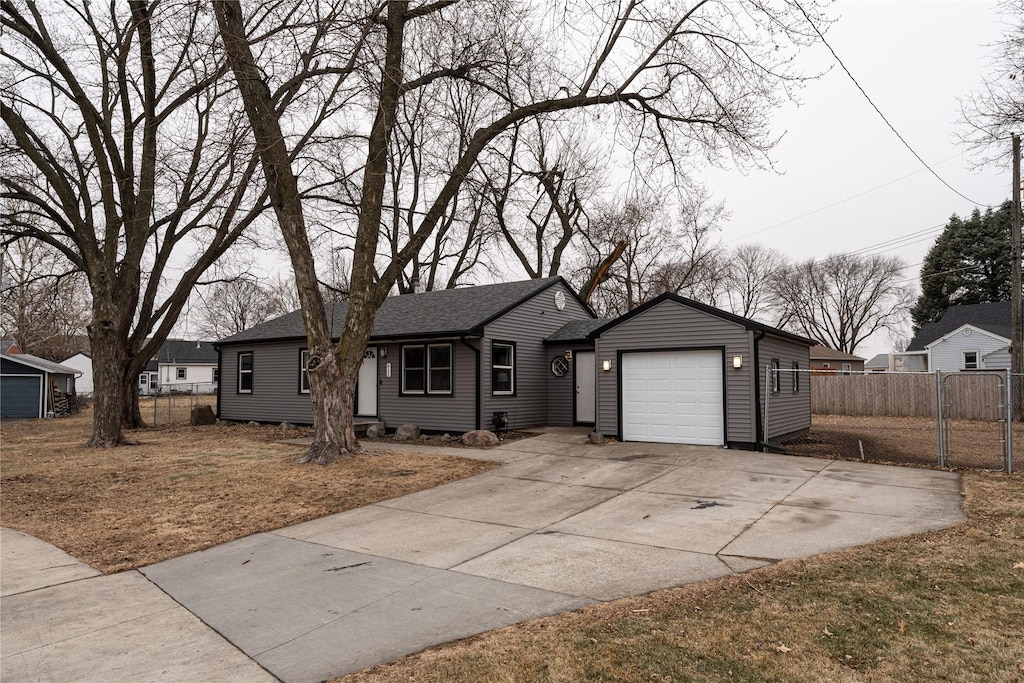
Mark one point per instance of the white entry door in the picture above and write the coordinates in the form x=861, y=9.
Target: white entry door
x=366, y=386
x=584, y=371
x=673, y=397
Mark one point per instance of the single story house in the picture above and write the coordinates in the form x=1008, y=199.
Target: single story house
x=531, y=353
x=880, y=362
x=970, y=337
x=31, y=387
x=828, y=360
x=83, y=363
x=181, y=365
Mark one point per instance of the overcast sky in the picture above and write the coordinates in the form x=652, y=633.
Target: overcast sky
x=914, y=59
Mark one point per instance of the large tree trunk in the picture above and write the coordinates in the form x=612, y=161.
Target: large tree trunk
x=109, y=363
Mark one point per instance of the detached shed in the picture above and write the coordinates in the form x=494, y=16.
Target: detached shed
x=31, y=387
x=678, y=371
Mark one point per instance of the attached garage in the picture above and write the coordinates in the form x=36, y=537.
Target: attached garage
x=673, y=397
x=678, y=371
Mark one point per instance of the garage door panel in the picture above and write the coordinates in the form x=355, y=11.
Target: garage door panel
x=19, y=396
x=673, y=396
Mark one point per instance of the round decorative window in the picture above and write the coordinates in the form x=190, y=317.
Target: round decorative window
x=559, y=366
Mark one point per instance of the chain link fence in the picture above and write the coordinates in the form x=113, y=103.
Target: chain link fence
x=173, y=404
x=959, y=420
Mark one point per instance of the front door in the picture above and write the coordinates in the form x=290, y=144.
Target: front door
x=584, y=372
x=366, y=387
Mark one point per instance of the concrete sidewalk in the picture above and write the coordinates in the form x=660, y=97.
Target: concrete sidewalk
x=563, y=524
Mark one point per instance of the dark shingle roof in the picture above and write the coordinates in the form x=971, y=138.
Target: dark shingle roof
x=577, y=330
x=821, y=352
x=41, y=364
x=184, y=351
x=427, y=314
x=992, y=317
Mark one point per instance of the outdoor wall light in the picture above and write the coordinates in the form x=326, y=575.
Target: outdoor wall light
x=606, y=364
x=737, y=362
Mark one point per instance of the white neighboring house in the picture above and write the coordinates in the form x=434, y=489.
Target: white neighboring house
x=968, y=338
x=181, y=365
x=83, y=363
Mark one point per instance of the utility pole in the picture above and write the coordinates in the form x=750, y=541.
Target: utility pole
x=1016, y=312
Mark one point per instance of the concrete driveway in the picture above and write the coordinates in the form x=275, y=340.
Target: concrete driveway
x=563, y=524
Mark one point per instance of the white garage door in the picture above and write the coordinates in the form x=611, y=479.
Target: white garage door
x=673, y=397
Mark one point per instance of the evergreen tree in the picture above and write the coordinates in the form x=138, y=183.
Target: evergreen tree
x=968, y=264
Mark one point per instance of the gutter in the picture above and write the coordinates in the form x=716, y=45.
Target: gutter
x=479, y=395
x=760, y=437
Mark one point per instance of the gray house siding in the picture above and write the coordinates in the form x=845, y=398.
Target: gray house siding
x=789, y=411
x=527, y=326
x=947, y=355
x=448, y=413
x=674, y=326
x=275, y=393
x=996, y=360
x=562, y=390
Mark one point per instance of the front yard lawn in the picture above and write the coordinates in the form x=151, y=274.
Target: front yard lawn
x=185, y=488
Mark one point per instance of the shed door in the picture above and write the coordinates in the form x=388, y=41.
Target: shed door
x=19, y=396
x=673, y=397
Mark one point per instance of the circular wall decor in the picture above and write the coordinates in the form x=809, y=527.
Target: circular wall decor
x=967, y=332
x=559, y=300
x=559, y=366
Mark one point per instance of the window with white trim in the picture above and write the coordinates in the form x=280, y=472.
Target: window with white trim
x=503, y=368
x=181, y=373
x=304, y=371
x=847, y=367
x=245, y=372
x=776, y=376
x=970, y=360
x=427, y=369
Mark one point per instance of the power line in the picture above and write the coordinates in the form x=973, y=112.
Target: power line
x=879, y=111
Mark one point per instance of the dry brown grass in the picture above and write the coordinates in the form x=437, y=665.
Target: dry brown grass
x=185, y=488
x=973, y=443
x=943, y=606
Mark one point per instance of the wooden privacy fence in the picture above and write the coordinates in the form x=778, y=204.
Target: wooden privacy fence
x=903, y=394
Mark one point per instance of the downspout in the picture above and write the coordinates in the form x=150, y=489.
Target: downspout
x=759, y=436
x=479, y=396
x=220, y=377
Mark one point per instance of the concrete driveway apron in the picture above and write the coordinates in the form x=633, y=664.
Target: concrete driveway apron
x=562, y=525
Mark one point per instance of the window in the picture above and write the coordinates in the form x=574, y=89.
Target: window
x=503, y=368
x=216, y=375
x=559, y=366
x=970, y=360
x=846, y=368
x=776, y=376
x=181, y=373
x=796, y=377
x=245, y=372
x=144, y=379
x=427, y=369
x=304, y=371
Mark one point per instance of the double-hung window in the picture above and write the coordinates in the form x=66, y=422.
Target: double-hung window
x=503, y=368
x=304, y=371
x=245, y=372
x=970, y=360
x=427, y=369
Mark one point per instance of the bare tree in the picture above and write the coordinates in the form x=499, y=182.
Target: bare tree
x=44, y=302
x=842, y=300
x=126, y=150
x=231, y=306
x=700, y=80
x=750, y=281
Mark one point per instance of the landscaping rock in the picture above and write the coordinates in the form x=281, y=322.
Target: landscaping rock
x=480, y=438
x=596, y=438
x=203, y=415
x=407, y=432
x=253, y=423
x=224, y=423
x=288, y=425
x=446, y=437
x=375, y=431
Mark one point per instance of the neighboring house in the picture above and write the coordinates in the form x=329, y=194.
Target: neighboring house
x=181, y=365
x=824, y=359
x=9, y=347
x=878, y=363
x=30, y=386
x=970, y=337
x=531, y=353
x=83, y=363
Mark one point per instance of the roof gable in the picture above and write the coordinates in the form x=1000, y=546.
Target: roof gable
x=745, y=323
x=40, y=364
x=448, y=312
x=959, y=333
x=993, y=317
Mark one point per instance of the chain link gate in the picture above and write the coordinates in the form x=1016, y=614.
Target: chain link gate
x=988, y=391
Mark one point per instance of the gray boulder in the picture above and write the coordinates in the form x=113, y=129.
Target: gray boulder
x=288, y=425
x=203, y=415
x=596, y=438
x=375, y=431
x=480, y=438
x=407, y=432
